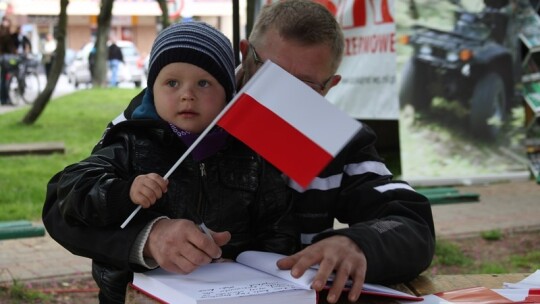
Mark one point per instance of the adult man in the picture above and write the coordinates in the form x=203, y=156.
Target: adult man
x=114, y=58
x=22, y=43
x=48, y=52
x=391, y=238
x=7, y=50
x=92, y=61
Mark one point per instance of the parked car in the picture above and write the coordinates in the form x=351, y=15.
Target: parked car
x=146, y=65
x=78, y=71
x=68, y=59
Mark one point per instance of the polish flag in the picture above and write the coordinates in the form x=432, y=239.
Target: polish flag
x=288, y=123
x=285, y=121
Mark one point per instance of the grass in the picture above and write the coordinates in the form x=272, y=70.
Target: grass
x=494, y=252
x=19, y=293
x=492, y=235
x=78, y=120
x=449, y=254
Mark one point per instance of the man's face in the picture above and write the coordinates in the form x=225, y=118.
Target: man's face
x=6, y=23
x=311, y=64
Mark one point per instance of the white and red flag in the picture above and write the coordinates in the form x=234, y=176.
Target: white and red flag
x=288, y=123
x=285, y=121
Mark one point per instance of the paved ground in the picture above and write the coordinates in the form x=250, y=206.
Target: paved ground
x=509, y=205
x=505, y=206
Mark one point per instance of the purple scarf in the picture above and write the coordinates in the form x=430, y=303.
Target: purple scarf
x=210, y=145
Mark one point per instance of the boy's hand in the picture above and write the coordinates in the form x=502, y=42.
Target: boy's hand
x=147, y=189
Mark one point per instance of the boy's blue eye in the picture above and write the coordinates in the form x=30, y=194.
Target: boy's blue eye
x=204, y=83
x=172, y=83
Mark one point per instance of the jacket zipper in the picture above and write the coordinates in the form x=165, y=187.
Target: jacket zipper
x=202, y=188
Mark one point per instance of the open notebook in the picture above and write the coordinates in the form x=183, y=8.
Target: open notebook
x=253, y=278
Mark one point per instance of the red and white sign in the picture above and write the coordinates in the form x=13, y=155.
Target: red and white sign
x=368, y=88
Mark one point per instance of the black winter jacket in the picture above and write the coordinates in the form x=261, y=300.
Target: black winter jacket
x=233, y=190
x=114, y=52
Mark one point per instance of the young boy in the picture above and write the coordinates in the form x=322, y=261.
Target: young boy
x=222, y=183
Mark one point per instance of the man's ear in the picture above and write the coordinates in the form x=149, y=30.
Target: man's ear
x=335, y=80
x=244, y=48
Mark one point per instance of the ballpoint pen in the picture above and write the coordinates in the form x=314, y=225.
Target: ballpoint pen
x=193, y=215
x=205, y=230
x=198, y=221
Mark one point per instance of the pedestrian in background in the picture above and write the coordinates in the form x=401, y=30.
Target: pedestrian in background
x=22, y=43
x=115, y=59
x=92, y=61
x=49, y=47
x=7, y=48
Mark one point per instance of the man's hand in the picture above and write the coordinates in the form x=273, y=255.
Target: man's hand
x=336, y=253
x=179, y=245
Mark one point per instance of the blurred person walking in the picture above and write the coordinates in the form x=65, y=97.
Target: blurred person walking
x=7, y=47
x=92, y=61
x=115, y=59
x=49, y=47
x=22, y=43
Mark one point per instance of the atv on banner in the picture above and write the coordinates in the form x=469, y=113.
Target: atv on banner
x=476, y=64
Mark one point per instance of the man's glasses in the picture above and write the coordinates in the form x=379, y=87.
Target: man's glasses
x=319, y=87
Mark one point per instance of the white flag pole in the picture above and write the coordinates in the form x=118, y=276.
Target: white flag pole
x=195, y=143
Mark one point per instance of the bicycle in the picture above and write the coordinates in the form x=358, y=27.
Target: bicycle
x=22, y=79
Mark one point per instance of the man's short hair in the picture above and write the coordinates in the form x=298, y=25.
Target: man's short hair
x=303, y=21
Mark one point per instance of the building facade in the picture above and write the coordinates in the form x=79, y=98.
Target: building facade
x=134, y=20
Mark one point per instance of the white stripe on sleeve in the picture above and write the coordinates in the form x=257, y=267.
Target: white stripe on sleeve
x=119, y=119
x=393, y=186
x=367, y=166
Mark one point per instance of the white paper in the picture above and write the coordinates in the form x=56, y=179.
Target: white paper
x=532, y=281
x=267, y=262
x=215, y=282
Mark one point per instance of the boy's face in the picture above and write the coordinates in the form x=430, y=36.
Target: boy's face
x=188, y=96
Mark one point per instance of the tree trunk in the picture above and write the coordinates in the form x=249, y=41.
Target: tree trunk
x=413, y=10
x=103, y=29
x=56, y=69
x=165, y=22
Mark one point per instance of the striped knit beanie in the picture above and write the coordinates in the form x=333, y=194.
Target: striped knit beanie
x=196, y=43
